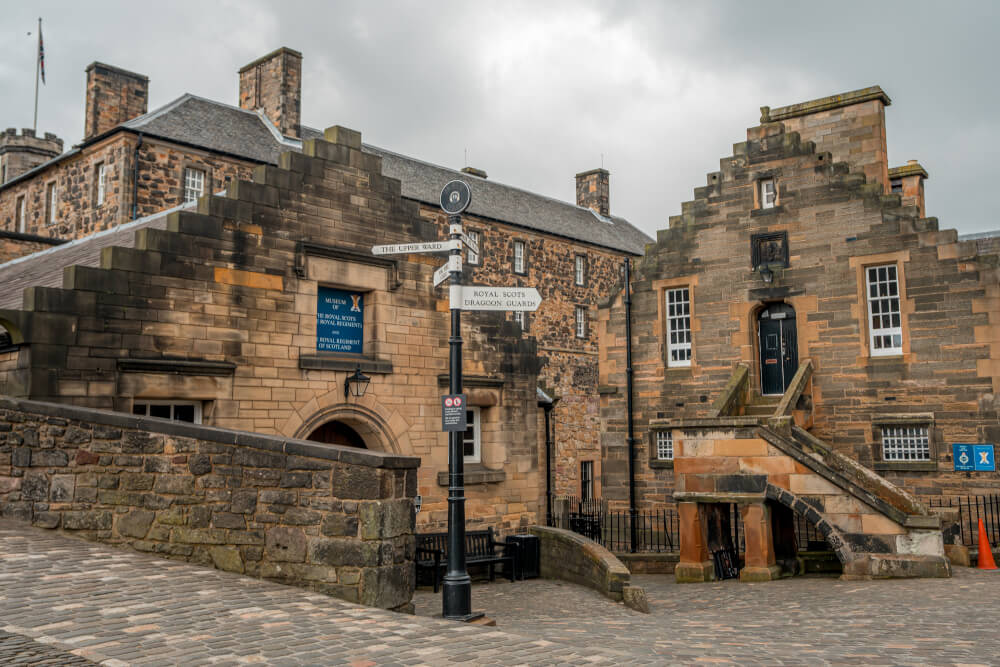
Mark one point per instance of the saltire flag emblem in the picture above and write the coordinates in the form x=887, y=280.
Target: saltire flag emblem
x=41, y=53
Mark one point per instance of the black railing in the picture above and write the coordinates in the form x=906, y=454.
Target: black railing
x=970, y=510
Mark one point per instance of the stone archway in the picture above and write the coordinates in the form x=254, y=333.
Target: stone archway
x=347, y=424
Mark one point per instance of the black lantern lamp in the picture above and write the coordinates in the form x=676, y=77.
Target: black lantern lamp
x=766, y=274
x=356, y=384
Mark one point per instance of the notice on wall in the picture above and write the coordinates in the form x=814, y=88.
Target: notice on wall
x=340, y=321
x=974, y=457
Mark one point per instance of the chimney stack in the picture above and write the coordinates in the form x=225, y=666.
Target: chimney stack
x=114, y=96
x=273, y=85
x=593, y=191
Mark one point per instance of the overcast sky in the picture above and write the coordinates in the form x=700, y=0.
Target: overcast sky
x=535, y=92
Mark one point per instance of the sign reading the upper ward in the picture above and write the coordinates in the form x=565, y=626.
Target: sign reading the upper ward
x=340, y=321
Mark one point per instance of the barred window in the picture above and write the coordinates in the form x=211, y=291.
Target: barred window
x=679, y=327
x=665, y=445
x=581, y=322
x=885, y=330
x=194, y=184
x=518, y=256
x=906, y=443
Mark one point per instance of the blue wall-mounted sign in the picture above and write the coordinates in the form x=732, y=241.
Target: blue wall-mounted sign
x=340, y=321
x=985, y=459
x=964, y=457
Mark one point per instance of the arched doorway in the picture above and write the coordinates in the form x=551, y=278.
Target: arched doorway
x=779, y=349
x=338, y=433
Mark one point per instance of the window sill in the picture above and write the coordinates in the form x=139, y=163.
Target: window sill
x=767, y=211
x=902, y=466
x=475, y=473
x=661, y=464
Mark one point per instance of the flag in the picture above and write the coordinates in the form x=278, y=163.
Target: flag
x=41, y=52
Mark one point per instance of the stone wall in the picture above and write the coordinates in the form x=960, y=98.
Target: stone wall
x=319, y=516
x=571, y=557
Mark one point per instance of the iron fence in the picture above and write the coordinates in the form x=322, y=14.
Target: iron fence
x=970, y=510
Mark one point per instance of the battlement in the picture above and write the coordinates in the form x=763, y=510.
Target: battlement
x=23, y=152
x=28, y=138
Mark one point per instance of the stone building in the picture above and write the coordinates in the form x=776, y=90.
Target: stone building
x=800, y=327
x=170, y=158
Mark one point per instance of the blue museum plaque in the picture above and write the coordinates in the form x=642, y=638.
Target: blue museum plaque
x=985, y=459
x=340, y=321
x=962, y=455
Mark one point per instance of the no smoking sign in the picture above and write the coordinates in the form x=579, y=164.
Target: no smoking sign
x=453, y=413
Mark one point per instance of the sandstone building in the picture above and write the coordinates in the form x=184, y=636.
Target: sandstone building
x=799, y=327
x=214, y=318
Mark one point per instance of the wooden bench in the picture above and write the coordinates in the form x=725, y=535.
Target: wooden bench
x=480, y=549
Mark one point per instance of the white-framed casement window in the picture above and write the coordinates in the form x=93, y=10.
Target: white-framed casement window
x=51, y=200
x=885, y=330
x=678, y=327
x=181, y=411
x=20, y=215
x=586, y=480
x=580, y=270
x=906, y=443
x=581, y=322
x=194, y=184
x=473, y=436
x=100, y=183
x=519, y=251
x=768, y=193
x=664, y=445
x=472, y=257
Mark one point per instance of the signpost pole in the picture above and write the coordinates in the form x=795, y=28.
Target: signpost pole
x=456, y=592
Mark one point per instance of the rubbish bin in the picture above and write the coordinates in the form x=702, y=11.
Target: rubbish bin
x=528, y=561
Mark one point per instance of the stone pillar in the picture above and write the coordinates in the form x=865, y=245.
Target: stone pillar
x=760, y=564
x=695, y=563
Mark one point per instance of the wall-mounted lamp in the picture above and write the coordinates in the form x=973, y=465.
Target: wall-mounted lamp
x=356, y=384
x=766, y=274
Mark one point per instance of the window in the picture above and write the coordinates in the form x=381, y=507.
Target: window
x=472, y=257
x=906, y=443
x=471, y=439
x=665, y=445
x=768, y=193
x=181, y=411
x=896, y=186
x=586, y=480
x=580, y=270
x=885, y=330
x=19, y=215
x=519, y=257
x=100, y=183
x=194, y=184
x=51, y=197
x=581, y=322
x=678, y=327
x=521, y=318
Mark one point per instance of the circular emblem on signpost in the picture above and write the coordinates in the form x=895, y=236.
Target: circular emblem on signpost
x=456, y=197
x=458, y=401
x=448, y=402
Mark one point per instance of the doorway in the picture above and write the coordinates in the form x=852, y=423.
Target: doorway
x=779, y=350
x=338, y=433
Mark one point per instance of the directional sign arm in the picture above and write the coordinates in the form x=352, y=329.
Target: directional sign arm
x=410, y=248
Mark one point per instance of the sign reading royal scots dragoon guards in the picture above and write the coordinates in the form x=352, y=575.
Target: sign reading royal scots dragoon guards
x=340, y=321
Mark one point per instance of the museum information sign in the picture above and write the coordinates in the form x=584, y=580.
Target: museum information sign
x=340, y=321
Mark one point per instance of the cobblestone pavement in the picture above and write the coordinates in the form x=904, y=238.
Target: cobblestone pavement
x=64, y=601
x=800, y=621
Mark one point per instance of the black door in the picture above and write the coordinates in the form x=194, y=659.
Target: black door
x=779, y=352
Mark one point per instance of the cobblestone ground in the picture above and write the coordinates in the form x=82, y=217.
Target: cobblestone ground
x=67, y=602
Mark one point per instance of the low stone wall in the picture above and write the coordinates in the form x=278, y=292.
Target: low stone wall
x=571, y=557
x=333, y=519
x=649, y=563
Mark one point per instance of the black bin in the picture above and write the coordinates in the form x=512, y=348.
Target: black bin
x=528, y=560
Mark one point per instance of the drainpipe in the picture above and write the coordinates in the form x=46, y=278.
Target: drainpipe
x=628, y=407
x=135, y=179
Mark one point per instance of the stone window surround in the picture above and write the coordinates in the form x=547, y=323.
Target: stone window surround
x=757, y=180
x=580, y=270
x=208, y=185
x=859, y=309
x=654, y=461
x=660, y=288
x=577, y=311
x=905, y=419
x=100, y=183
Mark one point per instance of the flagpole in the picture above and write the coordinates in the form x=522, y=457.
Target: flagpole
x=38, y=62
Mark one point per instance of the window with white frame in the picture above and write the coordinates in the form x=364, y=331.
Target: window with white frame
x=51, y=199
x=100, y=184
x=885, y=331
x=20, y=213
x=472, y=257
x=181, y=411
x=521, y=318
x=518, y=256
x=906, y=443
x=473, y=436
x=768, y=193
x=581, y=322
x=580, y=270
x=586, y=480
x=194, y=184
x=665, y=445
x=678, y=327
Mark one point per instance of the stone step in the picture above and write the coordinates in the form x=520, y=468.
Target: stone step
x=753, y=410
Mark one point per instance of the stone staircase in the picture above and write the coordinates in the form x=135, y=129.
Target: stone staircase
x=761, y=406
